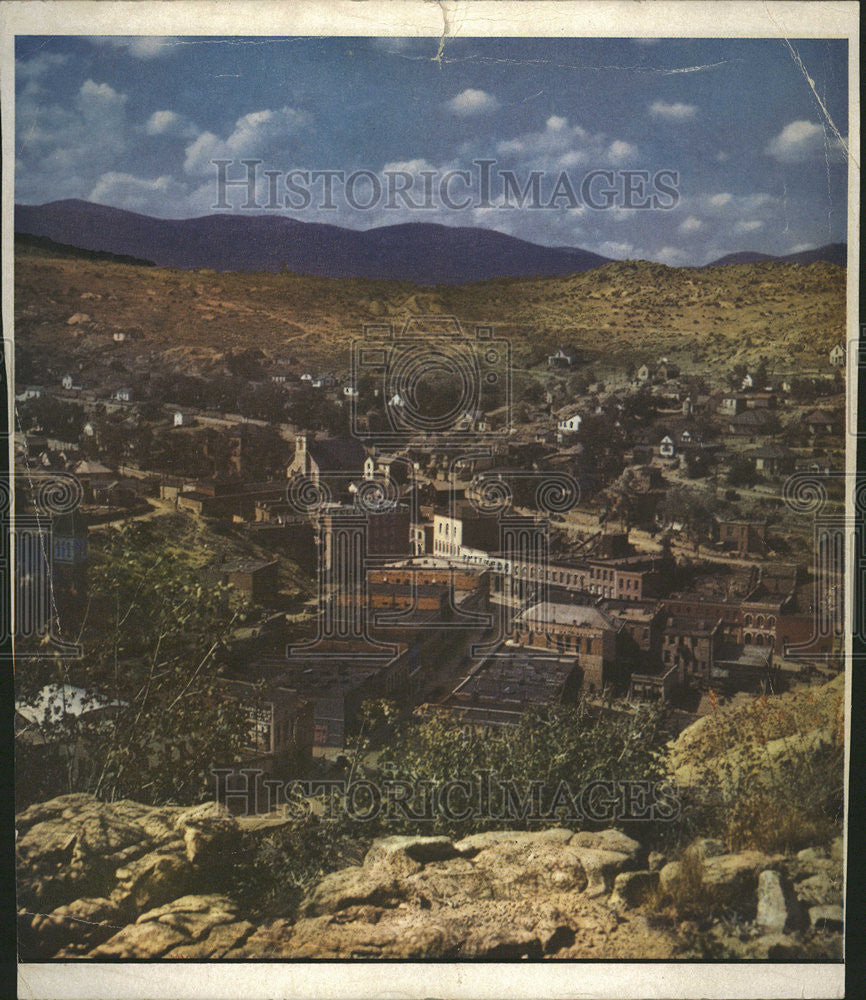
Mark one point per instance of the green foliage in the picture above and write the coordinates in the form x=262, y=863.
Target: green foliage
x=741, y=472
x=574, y=745
x=151, y=641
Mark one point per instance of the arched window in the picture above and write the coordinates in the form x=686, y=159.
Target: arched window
x=771, y=621
x=759, y=621
x=748, y=619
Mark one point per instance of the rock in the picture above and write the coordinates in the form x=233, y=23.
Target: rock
x=669, y=875
x=220, y=940
x=810, y=854
x=409, y=853
x=76, y=319
x=153, y=879
x=209, y=832
x=632, y=889
x=196, y=916
x=84, y=922
x=778, y=908
x=407, y=939
x=707, y=847
x=837, y=849
x=735, y=871
x=481, y=841
x=150, y=940
x=608, y=840
x=775, y=947
x=819, y=890
x=827, y=918
x=601, y=869
x=656, y=861
x=351, y=887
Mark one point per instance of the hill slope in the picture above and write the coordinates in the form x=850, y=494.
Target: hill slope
x=630, y=311
x=421, y=252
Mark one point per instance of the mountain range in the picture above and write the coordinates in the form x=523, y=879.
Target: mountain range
x=424, y=253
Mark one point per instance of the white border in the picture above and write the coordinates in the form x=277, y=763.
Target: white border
x=478, y=981
x=420, y=18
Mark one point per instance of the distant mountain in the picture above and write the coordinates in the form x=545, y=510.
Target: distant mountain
x=832, y=253
x=424, y=253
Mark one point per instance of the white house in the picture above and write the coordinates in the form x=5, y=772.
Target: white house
x=748, y=382
x=123, y=395
x=396, y=401
x=68, y=382
x=667, y=447
x=837, y=356
x=88, y=430
x=306, y=377
x=562, y=359
x=644, y=373
x=118, y=336
x=350, y=392
x=30, y=392
x=182, y=419
x=570, y=425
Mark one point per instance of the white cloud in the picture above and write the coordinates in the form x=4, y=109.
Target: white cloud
x=691, y=224
x=748, y=225
x=722, y=156
x=139, y=46
x=38, y=66
x=620, y=151
x=170, y=123
x=255, y=135
x=161, y=196
x=616, y=248
x=802, y=140
x=671, y=256
x=409, y=166
x=673, y=111
x=556, y=122
x=100, y=96
x=726, y=203
x=472, y=102
x=800, y=247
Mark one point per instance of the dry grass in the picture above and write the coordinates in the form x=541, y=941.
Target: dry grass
x=623, y=310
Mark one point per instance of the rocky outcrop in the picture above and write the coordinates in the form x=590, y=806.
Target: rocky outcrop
x=127, y=881
x=88, y=869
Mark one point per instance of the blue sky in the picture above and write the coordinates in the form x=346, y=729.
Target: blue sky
x=136, y=122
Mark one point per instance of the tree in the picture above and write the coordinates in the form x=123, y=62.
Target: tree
x=151, y=639
x=741, y=472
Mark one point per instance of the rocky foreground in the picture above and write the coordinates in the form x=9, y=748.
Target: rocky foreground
x=128, y=881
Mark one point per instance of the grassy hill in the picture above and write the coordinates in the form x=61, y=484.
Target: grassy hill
x=625, y=311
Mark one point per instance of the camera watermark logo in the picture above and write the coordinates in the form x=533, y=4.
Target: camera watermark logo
x=43, y=551
x=430, y=382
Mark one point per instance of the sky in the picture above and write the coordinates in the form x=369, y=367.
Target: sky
x=753, y=131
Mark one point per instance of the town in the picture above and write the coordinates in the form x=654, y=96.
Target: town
x=616, y=532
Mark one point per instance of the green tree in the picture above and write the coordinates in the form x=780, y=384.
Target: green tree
x=741, y=471
x=152, y=639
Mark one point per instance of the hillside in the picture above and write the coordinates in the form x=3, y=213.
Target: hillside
x=832, y=253
x=123, y=880
x=625, y=311
x=425, y=253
